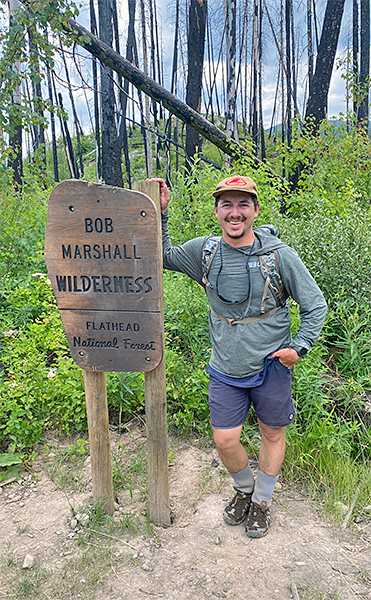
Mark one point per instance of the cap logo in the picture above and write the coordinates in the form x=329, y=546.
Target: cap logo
x=236, y=181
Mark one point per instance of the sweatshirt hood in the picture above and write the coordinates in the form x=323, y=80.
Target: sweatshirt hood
x=267, y=239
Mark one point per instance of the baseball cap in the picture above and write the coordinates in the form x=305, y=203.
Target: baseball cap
x=236, y=183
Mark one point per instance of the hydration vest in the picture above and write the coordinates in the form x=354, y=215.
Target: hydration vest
x=268, y=268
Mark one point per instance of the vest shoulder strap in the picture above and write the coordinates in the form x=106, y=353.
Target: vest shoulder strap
x=208, y=252
x=273, y=280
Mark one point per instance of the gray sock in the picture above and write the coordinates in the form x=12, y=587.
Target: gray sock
x=244, y=480
x=264, y=488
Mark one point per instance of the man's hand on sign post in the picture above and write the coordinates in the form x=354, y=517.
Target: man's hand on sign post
x=287, y=356
x=164, y=193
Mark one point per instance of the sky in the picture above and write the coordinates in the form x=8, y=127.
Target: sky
x=337, y=89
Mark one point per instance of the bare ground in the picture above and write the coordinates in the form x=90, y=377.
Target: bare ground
x=303, y=557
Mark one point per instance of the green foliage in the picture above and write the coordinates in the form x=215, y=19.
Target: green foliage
x=356, y=92
x=337, y=165
x=26, y=44
x=22, y=228
x=187, y=350
x=327, y=221
x=74, y=451
x=36, y=394
x=348, y=335
x=129, y=469
x=334, y=243
x=10, y=466
x=125, y=395
x=6, y=460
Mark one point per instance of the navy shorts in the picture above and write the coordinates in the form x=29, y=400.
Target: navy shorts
x=272, y=400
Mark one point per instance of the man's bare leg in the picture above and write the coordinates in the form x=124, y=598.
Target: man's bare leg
x=234, y=457
x=272, y=449
x=232, y=453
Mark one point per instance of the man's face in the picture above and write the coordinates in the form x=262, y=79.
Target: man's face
x=236, y=212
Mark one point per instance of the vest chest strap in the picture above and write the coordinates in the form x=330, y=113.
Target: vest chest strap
x=245, y=319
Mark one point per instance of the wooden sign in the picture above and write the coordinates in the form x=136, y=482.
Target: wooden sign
x=101, y=251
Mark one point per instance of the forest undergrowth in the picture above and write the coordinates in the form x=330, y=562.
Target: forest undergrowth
x=327, y=220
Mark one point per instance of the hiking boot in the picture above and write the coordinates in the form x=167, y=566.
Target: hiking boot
x=236, y=511
x=258, y=520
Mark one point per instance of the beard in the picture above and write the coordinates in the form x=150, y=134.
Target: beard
x=236, y=236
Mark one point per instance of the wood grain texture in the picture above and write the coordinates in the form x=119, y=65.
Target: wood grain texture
x=94, y=230
x=102, y=255
x=156, y=413
x=99, y=441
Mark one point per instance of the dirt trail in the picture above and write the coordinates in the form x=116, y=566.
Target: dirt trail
x=198, y=557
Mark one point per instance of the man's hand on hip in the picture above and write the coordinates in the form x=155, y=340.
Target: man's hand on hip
x=287, y=356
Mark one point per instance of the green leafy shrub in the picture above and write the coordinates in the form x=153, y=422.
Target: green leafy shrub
x=41, y=386
x=125, y=395
x=336, y=247
x=187, y=394
x=22, y=229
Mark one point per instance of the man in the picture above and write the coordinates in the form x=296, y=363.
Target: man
x=253, y=354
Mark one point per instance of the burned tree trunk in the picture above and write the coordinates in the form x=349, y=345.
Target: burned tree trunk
x=147, y=133
x=70, y=153
x=230, y=36
x=364, y=70
x=260, y=82
x=196, y=43
x=98, y=158
x=153, y=66
x=288, y=9
x=173, y=88
x=78, y=128
x=355, y=50
x=317, y=101
x=254, y=92
x=124, y=86
x=111, y=153
x=294, y=62
x=15, y=137
x=283, y=115
x=310, y=45
x=38, y=128
x=52, y=125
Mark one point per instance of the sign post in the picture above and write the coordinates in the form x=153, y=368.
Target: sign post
x=99, y=442
x=155, y=400
x=102, y=251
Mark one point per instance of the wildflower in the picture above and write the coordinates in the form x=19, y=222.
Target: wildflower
x=52, y=372
x=10, y=332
